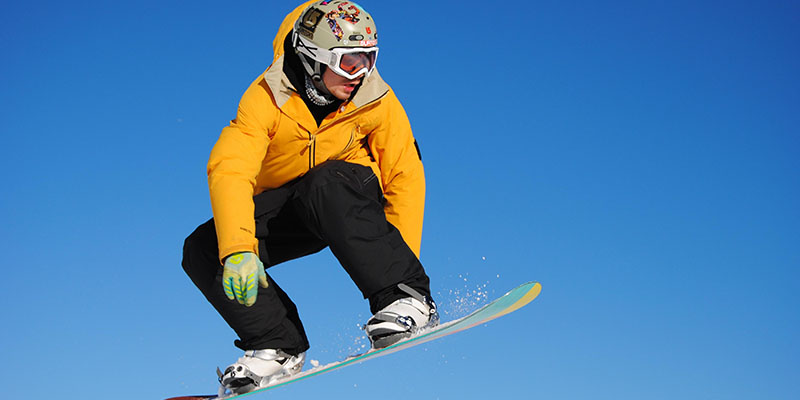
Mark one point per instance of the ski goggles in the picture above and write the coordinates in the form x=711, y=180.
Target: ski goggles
x=353, y=62
x=348, y=62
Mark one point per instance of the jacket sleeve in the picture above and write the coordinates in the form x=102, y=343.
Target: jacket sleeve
x=233, y=166
x=394, y=148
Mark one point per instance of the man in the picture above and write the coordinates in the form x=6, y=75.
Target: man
x=320, y=154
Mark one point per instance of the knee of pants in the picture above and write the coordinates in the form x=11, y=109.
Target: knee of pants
x=200, y=253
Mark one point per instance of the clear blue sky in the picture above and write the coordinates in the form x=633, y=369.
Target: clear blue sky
x=639, y=159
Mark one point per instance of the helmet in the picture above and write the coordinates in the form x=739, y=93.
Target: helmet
x=338, y=34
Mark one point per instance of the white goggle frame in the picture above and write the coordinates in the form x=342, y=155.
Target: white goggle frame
x=333, y=57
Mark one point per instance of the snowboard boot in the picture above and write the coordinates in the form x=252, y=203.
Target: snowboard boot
x=401, y=319
x=259, y=368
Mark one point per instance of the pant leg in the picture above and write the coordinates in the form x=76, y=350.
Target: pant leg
x=342, y=203
x=273, y=321
x=337, y=204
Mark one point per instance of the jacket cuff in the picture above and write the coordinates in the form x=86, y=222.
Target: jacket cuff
x=253, y=248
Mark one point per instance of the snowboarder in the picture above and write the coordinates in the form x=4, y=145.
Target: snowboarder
x=320, y=154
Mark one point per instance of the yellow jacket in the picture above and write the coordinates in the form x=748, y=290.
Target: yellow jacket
x=275, y=139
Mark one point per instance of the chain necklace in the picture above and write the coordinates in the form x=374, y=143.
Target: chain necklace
x=315, y=96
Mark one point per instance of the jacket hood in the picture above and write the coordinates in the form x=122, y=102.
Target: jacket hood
x=286, y=27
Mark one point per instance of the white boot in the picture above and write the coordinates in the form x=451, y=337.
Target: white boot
x=401, y=319
x=259, y=368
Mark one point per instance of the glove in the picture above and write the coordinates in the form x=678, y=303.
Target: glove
x=239, y=277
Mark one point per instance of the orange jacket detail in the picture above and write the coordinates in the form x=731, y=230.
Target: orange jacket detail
x=275, y=139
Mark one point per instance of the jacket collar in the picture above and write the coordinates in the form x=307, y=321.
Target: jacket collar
x=372, y=89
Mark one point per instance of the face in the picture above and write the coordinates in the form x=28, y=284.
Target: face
x=339, y=86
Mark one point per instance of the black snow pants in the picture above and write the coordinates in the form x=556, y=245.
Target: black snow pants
x=336, y=204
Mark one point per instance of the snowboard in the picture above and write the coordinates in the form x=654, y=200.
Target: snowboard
x=507, y=303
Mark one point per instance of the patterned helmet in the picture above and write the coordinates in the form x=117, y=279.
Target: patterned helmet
x=338, y=34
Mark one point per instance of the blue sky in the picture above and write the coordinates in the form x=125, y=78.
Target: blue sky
x=639, y=159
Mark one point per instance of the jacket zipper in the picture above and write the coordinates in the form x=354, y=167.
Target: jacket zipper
x=312, y=149
x=312, y=142
x=312, y=138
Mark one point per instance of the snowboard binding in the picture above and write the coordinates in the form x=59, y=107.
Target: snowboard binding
x=402, y=319
x=257, y=369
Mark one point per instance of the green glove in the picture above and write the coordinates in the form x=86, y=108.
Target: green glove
x=239, y=277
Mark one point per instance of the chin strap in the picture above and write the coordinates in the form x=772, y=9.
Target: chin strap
x=315, y=86
x=313, y=68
